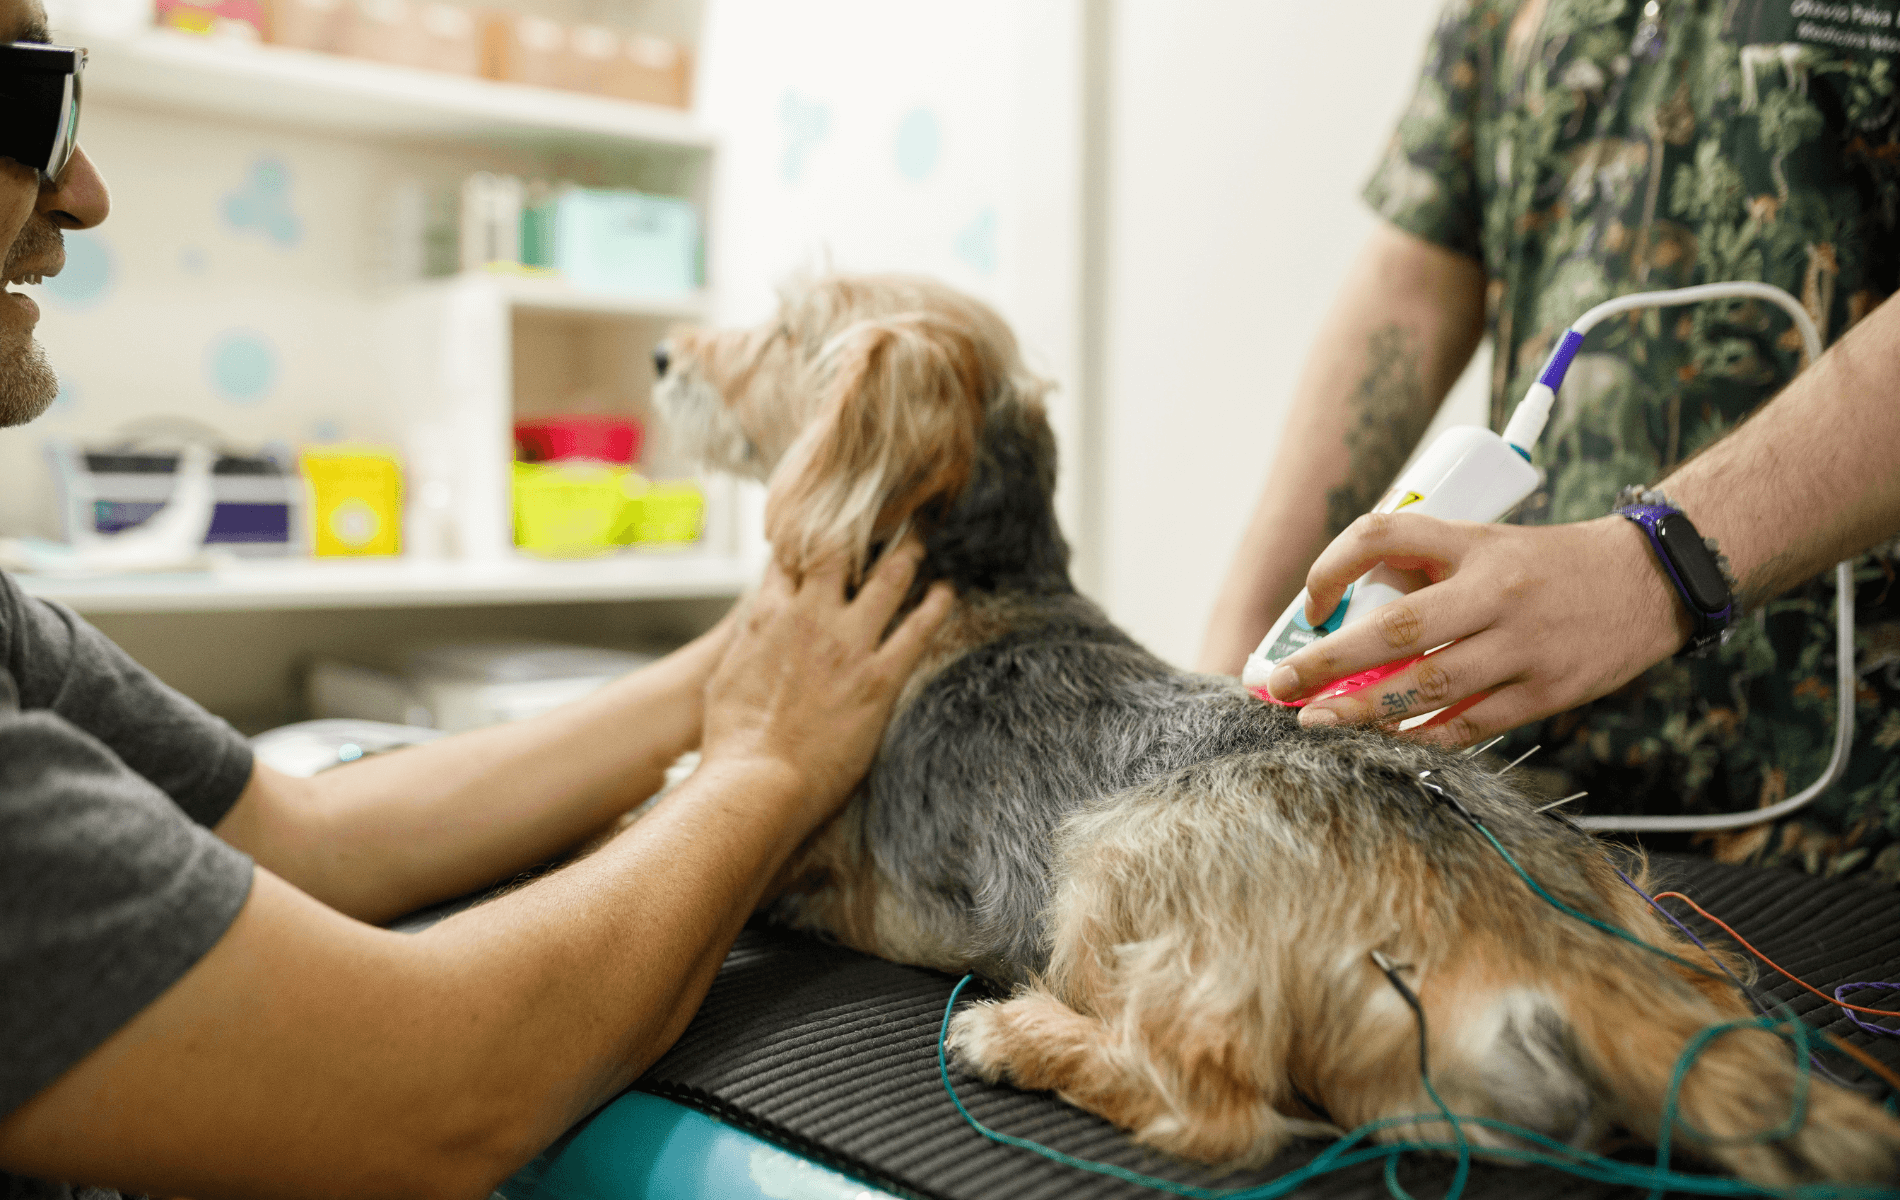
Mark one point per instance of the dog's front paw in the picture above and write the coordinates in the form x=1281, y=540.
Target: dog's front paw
x=976, y=1041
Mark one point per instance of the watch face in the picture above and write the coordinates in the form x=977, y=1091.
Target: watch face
x=1693, y=562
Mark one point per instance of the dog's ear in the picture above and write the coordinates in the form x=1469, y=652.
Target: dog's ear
x=900, y=401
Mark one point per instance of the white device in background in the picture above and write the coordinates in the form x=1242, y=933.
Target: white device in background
x=468, y=686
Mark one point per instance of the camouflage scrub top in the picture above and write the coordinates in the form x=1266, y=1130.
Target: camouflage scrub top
x=1583, y=149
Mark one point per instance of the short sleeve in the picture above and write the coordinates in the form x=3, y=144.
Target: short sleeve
x=108, y=894
x=62, y=664
x=1427, y=182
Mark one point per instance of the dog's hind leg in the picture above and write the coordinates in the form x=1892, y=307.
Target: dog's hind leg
x=1196, y=1111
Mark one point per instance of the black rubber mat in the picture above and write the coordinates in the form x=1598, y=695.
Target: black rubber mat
x=833, y=1054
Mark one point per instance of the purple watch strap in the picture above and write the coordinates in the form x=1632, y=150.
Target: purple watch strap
x=1709, y=626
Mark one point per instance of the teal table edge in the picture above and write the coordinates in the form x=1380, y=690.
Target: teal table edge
x=641, y=1147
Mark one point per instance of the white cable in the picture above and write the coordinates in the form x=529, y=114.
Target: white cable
x=1847, y=677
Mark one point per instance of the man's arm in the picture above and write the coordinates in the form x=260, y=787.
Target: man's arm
x=1548, y=618
x=1397, y=336
x=309, y=1054
x=391, y=834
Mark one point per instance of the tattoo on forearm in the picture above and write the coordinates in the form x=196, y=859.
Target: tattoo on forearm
x=1388, y=416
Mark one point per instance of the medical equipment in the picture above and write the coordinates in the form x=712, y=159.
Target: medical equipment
x=40, y=88
x=1464, y=476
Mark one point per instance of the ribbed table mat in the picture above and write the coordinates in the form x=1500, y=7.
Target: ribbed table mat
x=833, y=1054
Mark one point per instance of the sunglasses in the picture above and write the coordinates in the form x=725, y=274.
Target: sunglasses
x=39, y=105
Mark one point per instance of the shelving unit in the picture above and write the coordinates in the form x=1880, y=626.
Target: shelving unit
x=307, y=90
x=250, y=586
x=462, y=358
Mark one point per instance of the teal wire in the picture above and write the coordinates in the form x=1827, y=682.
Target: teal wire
x=1341, y=1156
x=1563, y=1157
x=1586, y=918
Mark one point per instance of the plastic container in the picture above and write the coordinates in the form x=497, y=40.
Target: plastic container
x=622, y=242
x=572, y=509
x=355, y=501
x=560, y=439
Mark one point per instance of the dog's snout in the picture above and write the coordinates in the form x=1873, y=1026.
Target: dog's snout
x=662, y=355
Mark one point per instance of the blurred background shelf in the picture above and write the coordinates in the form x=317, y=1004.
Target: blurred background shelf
x=305, y=584
x=300, y=88
x=554, y=295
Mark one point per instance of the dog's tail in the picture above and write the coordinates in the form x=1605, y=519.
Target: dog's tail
x=1743, y=1099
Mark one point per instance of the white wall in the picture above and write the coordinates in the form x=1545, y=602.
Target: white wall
x=875, y=136
x=1241, y=133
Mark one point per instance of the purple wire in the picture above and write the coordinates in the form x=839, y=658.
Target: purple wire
x=1813, y=1060
x=1840, y=997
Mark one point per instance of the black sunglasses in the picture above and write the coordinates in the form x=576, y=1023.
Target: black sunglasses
x=39, y=105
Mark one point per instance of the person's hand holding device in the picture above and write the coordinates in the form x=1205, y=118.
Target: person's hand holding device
x=1540, y=620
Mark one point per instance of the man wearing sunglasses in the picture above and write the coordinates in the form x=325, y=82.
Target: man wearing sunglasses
x=195, y=996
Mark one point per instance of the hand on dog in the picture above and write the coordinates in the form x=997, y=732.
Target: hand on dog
x=806, y=686
x=1543, y=619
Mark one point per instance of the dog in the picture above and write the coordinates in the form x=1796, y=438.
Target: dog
x=1183, y=888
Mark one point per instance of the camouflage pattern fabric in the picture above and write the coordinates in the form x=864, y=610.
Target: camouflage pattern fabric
x=1583, y=149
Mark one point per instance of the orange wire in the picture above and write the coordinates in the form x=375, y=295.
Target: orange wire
x=1878, y=1012
x=1864, y=1059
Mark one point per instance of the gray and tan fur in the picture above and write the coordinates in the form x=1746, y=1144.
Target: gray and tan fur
x=1181, y=885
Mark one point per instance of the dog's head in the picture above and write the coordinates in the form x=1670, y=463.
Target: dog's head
x=862, y=404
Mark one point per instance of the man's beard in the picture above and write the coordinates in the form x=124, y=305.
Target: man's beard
x=28, y=384
x=27, y=381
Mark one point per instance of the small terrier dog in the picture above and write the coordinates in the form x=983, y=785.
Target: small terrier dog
x=1184, y=888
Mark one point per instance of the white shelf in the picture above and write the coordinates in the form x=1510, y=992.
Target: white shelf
x=304, y=583
x=552, y=294
x=226, y=78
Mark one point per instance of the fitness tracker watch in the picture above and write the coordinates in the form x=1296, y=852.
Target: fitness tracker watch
x=39, y=105
x=1693, y=568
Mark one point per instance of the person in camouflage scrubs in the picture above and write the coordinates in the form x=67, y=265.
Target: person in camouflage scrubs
x=1584, y=149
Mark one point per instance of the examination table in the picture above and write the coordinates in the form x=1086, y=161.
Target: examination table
x=810, y=1073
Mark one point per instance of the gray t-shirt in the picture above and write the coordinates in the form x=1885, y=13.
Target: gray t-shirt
x=111, y=882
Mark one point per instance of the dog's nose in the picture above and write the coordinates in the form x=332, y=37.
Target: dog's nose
x=661, y=357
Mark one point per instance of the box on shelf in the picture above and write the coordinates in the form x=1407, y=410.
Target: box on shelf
x=652, y=70
x=586, y=58
x=305, y=24
x=241, y=19
x=610, y=240
x=355, y=501
x=579, y=436
x=581, y=509
x=110, y=491
x=431, y=36
x=458, y=687
x=527, y=49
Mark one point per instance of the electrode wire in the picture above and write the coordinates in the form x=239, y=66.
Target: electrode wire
x=1814, y=1060
x=1341, y=1155
x=1835, y=999
x=1586, y=918
x=1857, y=987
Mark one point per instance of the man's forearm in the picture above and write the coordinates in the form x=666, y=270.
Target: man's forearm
x=1811, y=478
x=1402, y=328
x=390, y=834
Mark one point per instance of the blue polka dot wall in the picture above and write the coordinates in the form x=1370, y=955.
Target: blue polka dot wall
x=918, y=141
x=90, y=274
x=263, y=203
x=804, y=124
x=241, y=365
x=975, y=243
